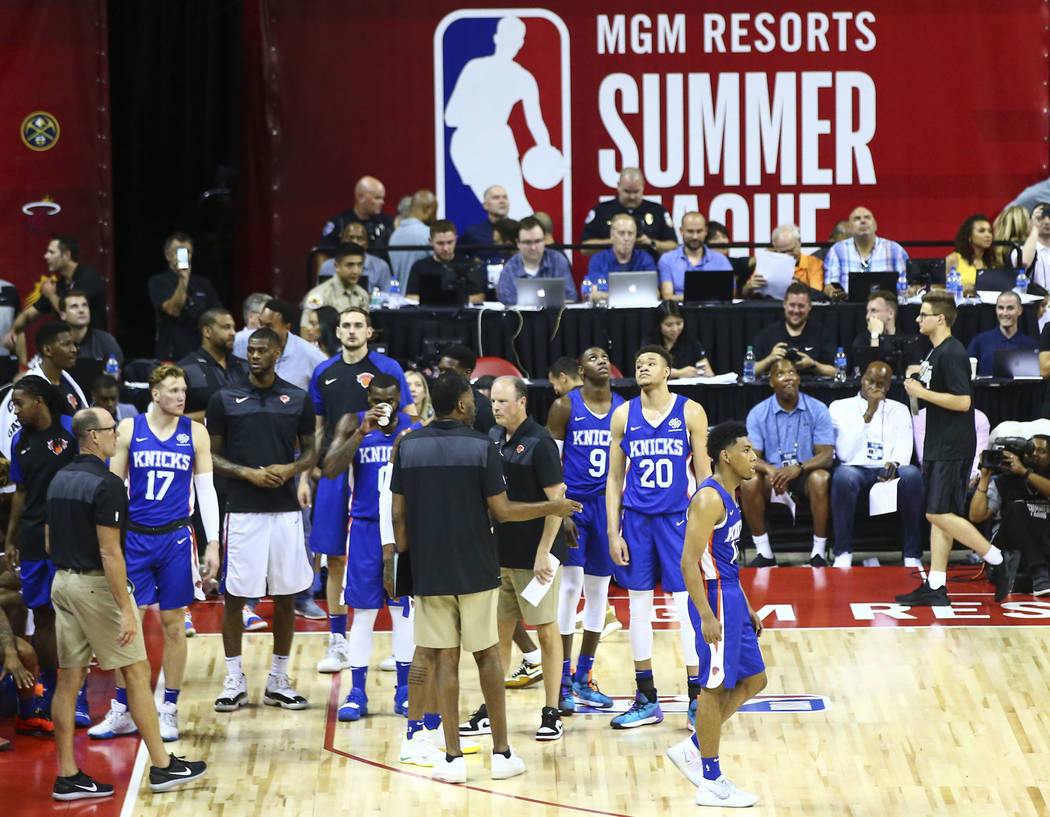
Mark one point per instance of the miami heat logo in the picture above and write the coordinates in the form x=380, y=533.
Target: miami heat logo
x=365, y=379
x=57, y=446
x=72, y=401
x=285, y=398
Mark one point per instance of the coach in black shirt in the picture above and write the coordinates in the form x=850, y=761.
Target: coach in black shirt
x=796, y=337
x=455, y=565
x=213, y=364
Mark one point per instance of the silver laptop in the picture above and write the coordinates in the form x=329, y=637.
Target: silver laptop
x=634, y=289
x=541, y=293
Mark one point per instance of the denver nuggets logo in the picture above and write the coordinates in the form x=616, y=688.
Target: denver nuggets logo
x=675, y=423
x=72, y=401
x=57, y=446
x=365, y=379
x=40, y=131
x=285, y=398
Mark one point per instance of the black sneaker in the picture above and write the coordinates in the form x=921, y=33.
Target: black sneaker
x=79, y=787
x=762, y=561
x=1007, y=574
x=550, y=724
x=177, y=773
x=1040, y=583
x=478, y=723
x=925, y=596
x=818, y=561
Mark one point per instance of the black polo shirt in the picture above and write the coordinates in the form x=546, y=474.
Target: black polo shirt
x=36, y=456
x=177, y=337
x=82, y=495
x=260, y=427
x=379, y=228
x=814, y=341
x=530, y=463
x=86, y=280
x=483, y=416
x=652, y=220
x=446, y=472
x=204, y=377
x=469, y=270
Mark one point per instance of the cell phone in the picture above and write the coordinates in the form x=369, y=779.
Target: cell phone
x=182, y=258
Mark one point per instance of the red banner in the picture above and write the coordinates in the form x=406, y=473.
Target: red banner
x=766, y=113
x=54, y=134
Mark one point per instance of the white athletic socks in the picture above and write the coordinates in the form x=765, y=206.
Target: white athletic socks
x=279, y=665
x=820, y=544
x=936, y=579
x=533, y=657
x=233, y=666
x=994, y=556
x=762, y=545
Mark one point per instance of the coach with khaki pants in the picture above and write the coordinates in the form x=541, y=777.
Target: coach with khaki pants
x=95, y=611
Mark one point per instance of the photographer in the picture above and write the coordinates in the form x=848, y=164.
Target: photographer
x=798, y=339
x=1015, y=484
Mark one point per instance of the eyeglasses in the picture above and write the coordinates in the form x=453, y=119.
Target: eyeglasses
x=104, y=428
x=532, y=242
x=923, y=315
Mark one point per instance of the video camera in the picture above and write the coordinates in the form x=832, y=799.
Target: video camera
x=993, y=457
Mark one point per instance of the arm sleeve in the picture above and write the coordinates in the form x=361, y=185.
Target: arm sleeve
x=208, y=502
x=386, y=519
x=548, y=463
x=215, y=416
x=110, y=503
x=494, y=481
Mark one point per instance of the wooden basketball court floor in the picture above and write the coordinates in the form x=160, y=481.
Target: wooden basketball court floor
x=925, y=712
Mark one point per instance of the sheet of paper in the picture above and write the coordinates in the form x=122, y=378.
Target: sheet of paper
x=778, y=269
x=987, y=296
x=883, y=497
x=534, y=591
x=717, y=380
x=785, y=500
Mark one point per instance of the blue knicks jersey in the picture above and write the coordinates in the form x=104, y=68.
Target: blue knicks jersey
x=585, y=455
x=659, y=476
x=721, y=559
x=160, y=474
x=371, y=469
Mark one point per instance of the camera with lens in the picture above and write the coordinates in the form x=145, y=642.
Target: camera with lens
x=993, y=457
x=792, y=353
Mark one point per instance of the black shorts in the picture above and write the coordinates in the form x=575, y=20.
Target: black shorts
x=946, y=483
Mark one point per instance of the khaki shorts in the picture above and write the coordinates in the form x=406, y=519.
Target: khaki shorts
x=87, y=620
x=444, y=622
x=513, y=607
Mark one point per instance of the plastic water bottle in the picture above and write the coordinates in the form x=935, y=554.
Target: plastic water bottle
x=586, y=287
x=902, y=287
x=840, y=366
x=952, y=284
x=377, y=298
x=749, y=365
x=1021, y=287
x=603, y=291
x=112, y=367
x=394, y=297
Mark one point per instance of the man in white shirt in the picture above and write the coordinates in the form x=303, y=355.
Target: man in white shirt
x=873, y=443
x=1035, y=254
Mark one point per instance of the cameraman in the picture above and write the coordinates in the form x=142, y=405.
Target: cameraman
x=800, y=340
x=1020, y=494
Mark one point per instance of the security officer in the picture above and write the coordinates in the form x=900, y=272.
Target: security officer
x=213, y=365
x=655, y=228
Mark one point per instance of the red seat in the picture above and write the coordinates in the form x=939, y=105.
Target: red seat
x=495, y=366
x=614, y=372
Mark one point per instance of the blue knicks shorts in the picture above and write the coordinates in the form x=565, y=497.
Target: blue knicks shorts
x=161, y=567
x=654, y=544
x=364, y=569
x=36, y=576
x=593, y=551
x=328, y=529
x=737, y=655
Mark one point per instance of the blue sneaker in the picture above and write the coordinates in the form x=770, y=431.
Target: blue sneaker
x=401, y=700
x=566, y=702
x=587, y=692
x=691, y=717
x=642, y=712
x=82, y=715
x=355, y=706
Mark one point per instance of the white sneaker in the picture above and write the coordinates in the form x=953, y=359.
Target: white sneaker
x=420, y=752
x=168, y=716
x=234, y=694
x=723, y=793
x=454, y=772
x=504, y=767
x=279, y=692
x=388, y=664
x=337, y=656
x=117, y=722
x=843, y=560
x=437, y=739
x=252, y=622
x=687, y=759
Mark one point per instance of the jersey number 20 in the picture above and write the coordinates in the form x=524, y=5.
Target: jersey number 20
x=656, y=473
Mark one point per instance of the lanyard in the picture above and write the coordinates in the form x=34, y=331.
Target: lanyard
x=780, y=442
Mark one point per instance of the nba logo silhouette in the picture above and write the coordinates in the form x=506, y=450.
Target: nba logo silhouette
x=502, y=113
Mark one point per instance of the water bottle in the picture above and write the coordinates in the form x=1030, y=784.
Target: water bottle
x=902, y=287
x=586, y=287
x=749, y=365
x=1021, y=287
x=112, y=367
x=603, y=291
x=377, y=298
x=840, y=366
x=394, y=298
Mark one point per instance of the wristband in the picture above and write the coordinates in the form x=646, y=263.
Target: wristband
x=1027, y=474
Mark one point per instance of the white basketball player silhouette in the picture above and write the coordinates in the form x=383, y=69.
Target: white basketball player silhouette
x=482, y=146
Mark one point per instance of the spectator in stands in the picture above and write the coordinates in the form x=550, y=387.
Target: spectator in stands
x=533, y=260
x=797, y=338
x=105, y=393
x=461, y=360
x=92, y=344
x=413, y=231
x=973, y=251
x=981, y=428
x=454, y=270
x=873, y=443
x=1014, y=225
x=369, y=195
x=1035, y=255
x=840, y=232
x=253, y=305
x=880, y=339
x=655, y=228
x=298, y=357
x=1007, y=335
x=621, y=255
x=688, y=355
x=794, y=440
x=342, y=291
x=863, y=252
x=787, y=239
x=65, y=272
x=497, y=205
x=718, y=237
x=1039, y=306
x=376, y=270
x=564, y=375
x=420, y=389
x=213, y=365
x=692, y=254
x=404, y=204
x=318, y=327
x=179, y=299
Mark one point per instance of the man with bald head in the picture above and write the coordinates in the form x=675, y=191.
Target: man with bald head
x=369, y=195
x=376, y=269
x=689, y=256
x=864, y=251
x=655, y=228
x=787, y=240
x=413, y=231
x=873, y=443
x=497, y=205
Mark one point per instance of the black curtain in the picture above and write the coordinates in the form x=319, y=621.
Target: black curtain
x=174, y=77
